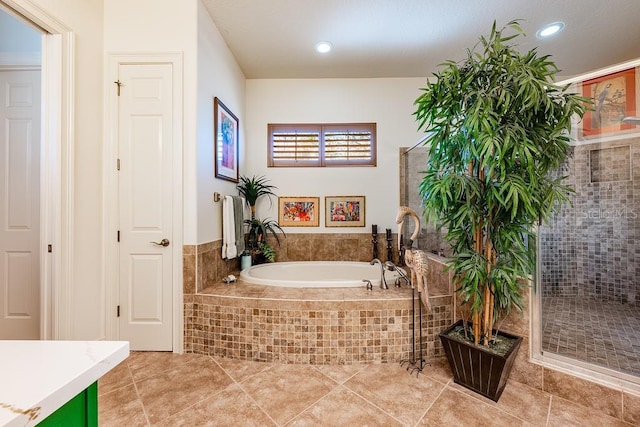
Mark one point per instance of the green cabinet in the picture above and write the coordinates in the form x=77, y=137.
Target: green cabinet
x=81, y=411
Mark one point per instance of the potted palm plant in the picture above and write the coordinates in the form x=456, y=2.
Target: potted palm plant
x=498, y=126
x=253, y=189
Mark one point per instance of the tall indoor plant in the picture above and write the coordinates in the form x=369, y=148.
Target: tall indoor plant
x=497, y=127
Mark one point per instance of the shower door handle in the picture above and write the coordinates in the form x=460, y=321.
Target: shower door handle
x=164, y=243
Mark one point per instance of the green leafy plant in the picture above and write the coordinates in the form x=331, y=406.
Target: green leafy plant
x=253, y=188
x=259, y=229
x=498, y=126
x=268, y=252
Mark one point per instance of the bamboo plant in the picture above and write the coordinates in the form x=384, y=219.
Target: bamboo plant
x=497, y=125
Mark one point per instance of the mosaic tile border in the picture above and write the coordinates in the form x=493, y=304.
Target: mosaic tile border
x=311, y=332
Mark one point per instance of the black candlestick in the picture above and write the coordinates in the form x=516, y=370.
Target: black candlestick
x=389, y=246
x=374, y=240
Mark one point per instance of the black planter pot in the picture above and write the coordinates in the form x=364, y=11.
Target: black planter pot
x=478, y=369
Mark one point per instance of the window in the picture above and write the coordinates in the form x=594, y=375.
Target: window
x=319, y=145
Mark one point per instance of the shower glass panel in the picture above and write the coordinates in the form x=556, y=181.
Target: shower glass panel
x=413, y=162
x=590, y=260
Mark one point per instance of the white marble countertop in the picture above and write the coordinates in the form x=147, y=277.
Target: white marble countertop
x=38, y=377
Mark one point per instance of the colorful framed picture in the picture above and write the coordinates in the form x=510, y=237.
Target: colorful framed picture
x=299, y=211
x=614, y=98
x=226, y=134
x=344, y=211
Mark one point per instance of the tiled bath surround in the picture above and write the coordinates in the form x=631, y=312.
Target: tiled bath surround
x=313, y=326
x=252, y=322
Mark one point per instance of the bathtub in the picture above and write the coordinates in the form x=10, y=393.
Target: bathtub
x=317, y=274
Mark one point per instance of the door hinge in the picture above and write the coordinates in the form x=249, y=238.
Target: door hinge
x=49, y=248
x=118, y=164
x=118, y=235
x=119, y=83
x=118, y=311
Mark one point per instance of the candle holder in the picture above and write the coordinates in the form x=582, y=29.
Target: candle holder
x=374, y=240
x=389, y=246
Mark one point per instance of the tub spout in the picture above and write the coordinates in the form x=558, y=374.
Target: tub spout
x=383, y=281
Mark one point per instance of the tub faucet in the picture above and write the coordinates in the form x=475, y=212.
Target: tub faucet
x=401, y=276
x=383, y=281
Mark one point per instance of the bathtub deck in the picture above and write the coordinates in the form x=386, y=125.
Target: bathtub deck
x=241, y=289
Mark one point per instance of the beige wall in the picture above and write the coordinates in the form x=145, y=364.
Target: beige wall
x=218, y=75
x=387, y=102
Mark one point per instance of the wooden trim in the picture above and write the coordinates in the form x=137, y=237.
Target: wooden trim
x=323, y=160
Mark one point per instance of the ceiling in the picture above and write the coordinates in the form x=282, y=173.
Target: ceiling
x=409, y=38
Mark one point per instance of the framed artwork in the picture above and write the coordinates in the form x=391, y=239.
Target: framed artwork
x=298, y=211
x=344, y=211
x=226, y=134
x=614, y=98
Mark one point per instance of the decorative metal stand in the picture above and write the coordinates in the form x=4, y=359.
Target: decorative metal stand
x=413, y=364
x=374, y=240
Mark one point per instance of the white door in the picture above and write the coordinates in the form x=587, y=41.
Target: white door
x=145, y=139
x=19, y=204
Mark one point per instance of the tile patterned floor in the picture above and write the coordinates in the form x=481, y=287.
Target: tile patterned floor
x=166, y=389
x=606, y=333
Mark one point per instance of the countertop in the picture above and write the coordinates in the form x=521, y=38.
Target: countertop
x=38, y=377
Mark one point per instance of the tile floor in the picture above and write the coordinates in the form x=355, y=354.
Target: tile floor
x=166, y=389
x=606, y=333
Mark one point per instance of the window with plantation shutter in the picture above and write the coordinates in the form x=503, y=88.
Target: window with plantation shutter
x=319, y=145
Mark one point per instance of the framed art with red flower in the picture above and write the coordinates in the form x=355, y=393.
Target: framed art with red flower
x=298, y=211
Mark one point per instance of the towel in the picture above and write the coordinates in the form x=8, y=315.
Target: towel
x=229, y=249
x=238, y=219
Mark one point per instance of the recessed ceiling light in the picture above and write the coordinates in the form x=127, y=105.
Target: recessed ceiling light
x=550, y=29
x=324, y=47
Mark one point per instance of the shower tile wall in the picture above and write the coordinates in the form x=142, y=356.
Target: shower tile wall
x=592, y=248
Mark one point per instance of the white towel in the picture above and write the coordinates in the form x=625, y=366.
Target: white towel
x=229, y=249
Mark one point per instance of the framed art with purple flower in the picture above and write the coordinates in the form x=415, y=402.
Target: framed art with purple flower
x=344, y=211
x=226, y=136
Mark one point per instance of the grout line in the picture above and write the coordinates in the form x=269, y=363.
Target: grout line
x=239, y=384
x=373, y=404
x=549, y=410
x=333, y=389
x=135, y=386
x=317, y=368
x=434, y=401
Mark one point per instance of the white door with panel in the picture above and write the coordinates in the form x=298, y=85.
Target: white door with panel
x=20, y=204
x=145, y=181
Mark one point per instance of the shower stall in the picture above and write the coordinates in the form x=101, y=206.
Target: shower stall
x=589, y=261
x=588, y=284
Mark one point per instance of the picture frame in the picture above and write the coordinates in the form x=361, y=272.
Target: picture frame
x=299, y=211
x=615, y=97
x=344, y=211
x=227, y=141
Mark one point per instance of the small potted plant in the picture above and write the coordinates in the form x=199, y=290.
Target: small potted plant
x=258, y=229
x=498, y=127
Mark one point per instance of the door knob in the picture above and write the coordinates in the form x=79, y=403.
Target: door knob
x=163, y=243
